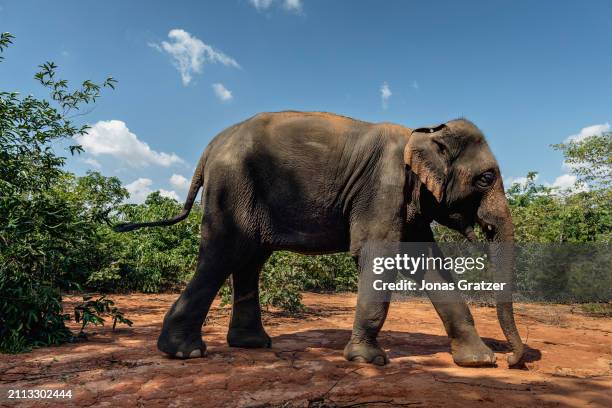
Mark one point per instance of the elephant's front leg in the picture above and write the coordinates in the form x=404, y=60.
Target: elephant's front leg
x=372, y=307
x=363, y=346
x=467, y=347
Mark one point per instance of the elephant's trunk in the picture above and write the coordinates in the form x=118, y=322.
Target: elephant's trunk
x=495, y=219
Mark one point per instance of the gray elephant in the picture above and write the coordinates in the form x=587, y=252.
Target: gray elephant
x=318, y=183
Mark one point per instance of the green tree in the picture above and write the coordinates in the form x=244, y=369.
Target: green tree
x=150, y=259
x=576, y=225
x=590, y=159
x=40, y=227
x=93, y=199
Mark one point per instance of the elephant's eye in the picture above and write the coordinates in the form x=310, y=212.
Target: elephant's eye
x=485, y=180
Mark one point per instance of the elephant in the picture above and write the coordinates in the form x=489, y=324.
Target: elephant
x=319, y=183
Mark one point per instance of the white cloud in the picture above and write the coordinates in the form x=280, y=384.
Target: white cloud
x=222, y=92
x=589, y=131
x=385, y=94
x=261, y=4
x=567, y=182
x=568, y=166
x=179, y=182
x=518, y=180
x=564, y=181
x=190, y=54
x=289, y=5
x=139, y=189
x=92, y=162
x=293, y=5
x=113, y=138
x=169, y=194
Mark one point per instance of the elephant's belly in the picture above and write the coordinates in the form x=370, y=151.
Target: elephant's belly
x=311, y=238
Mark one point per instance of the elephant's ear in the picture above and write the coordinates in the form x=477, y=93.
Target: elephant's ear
x=426, y=154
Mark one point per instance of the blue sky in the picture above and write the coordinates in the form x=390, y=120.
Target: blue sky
x=528, y=73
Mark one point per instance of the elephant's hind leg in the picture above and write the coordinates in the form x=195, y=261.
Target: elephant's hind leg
x=246, y=329
x=181, y=331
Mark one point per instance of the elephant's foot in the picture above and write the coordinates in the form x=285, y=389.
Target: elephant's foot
x=473, y=353
x=181, y=346
x=248, y=338
x=365, y=352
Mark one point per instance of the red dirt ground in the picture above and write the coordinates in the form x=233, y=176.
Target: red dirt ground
x=569, y=362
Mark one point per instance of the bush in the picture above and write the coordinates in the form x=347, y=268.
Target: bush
x=287, y=274
x=150, y=259
x=30, y=316
x=44, y=233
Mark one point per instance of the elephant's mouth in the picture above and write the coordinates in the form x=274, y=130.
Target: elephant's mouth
x=469, y=233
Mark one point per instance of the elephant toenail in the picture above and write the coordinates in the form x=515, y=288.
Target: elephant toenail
x=195, y=353
x=359, y=359
x=179, y=354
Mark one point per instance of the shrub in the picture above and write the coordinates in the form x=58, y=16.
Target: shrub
x=150, y=259
x=287, y=274
x=42, y=231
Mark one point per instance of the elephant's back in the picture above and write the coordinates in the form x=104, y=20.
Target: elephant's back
x=285, y=170
x=288, y=135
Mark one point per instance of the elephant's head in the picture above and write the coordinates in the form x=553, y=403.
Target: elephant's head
x=458, y=184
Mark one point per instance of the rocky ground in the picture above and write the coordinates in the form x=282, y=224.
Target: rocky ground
x=569, y=362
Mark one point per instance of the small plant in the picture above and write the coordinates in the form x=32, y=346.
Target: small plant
x=92, y=310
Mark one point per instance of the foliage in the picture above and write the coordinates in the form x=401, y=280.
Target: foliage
x=542, y=214
x=445, y=234
x=576, y=224
x=280, y=284
x=287, y=274
x=43, y=232
x=597, y=309
x=151, y=259
x=590, y=159
x=31, y=315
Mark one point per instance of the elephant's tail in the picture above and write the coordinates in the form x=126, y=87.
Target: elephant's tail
x=196, y=182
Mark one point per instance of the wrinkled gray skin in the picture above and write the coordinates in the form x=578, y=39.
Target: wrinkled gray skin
x=318, y=183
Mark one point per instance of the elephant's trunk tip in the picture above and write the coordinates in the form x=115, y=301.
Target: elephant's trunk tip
x=506, y=319
x=515, y=360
